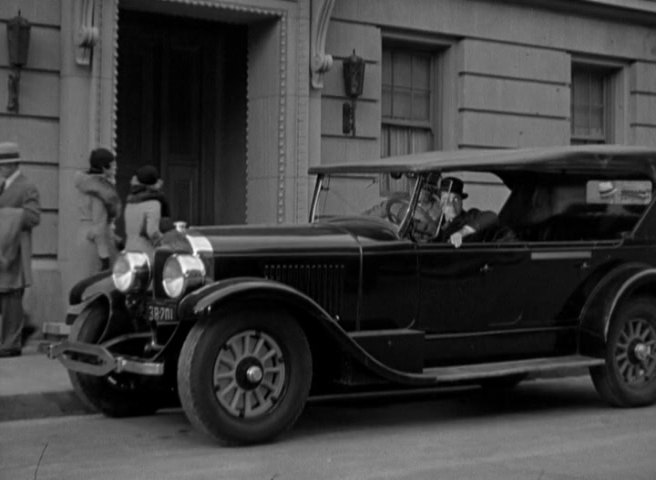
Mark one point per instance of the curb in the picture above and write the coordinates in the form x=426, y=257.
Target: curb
x=41, y=405
x=33, y=386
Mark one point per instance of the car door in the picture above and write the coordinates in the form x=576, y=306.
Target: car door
x=472, y=301
x=555, y=271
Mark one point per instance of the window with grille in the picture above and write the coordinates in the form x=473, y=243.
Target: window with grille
x=591, y=115
x=407, y=106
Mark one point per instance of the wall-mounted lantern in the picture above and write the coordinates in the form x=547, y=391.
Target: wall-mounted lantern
x=353, y=68
x=18, y=45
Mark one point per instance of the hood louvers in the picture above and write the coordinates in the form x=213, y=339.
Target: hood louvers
x=324, y=283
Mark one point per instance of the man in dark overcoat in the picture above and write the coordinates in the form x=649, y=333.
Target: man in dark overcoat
x=20, y=212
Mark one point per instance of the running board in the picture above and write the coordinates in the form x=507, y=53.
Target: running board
x=460, y=373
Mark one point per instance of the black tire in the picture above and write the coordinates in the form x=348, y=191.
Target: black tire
x=628, y=378
x=115, y=395
x=228, y=386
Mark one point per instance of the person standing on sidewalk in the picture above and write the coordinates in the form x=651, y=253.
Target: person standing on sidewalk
x=147, y=213
x=98, y=209
x=20, y=212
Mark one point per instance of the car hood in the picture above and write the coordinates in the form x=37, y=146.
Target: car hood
x=337, y=234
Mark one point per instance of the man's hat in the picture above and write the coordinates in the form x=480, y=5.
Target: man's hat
x=453, y=185
x=9, y=153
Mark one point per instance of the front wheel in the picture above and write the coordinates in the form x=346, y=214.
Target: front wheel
x=244, y=378
x=115, y=395
x=628, y=378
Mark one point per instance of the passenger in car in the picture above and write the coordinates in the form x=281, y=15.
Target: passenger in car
x=458, y=223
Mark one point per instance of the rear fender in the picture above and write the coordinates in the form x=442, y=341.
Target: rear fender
x=202, y=302
x=619, y=284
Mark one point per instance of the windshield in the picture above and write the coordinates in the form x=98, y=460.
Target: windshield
x=364, y=195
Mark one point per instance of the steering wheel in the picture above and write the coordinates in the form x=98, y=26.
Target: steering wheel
x=395, y=209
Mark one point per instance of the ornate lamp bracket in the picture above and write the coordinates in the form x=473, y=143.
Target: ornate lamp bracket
x=320, y=61
x=87, y=34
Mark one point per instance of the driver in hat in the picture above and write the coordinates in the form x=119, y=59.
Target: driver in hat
x=458, y=223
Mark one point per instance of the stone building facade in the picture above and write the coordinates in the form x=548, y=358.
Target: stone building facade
x=234, y=100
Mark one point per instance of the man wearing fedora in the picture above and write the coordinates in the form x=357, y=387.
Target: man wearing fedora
x=459, y=223
x=20, y=212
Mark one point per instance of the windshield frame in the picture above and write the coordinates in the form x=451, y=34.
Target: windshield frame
x=402, y=228
x=318, y=184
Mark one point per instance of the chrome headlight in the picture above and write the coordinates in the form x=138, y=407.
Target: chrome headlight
x=131, y=272
x=181, y=273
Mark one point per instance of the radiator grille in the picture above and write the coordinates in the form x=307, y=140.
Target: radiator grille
x=322, y=282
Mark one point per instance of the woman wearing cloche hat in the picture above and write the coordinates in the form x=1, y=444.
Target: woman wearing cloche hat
x=146, y=211
x=99, y=207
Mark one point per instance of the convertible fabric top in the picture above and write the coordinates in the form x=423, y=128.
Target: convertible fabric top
x=561, y=159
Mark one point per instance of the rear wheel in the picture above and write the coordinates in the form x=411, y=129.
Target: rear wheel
x=628, y=378
x=245, y=378
x=115, y=395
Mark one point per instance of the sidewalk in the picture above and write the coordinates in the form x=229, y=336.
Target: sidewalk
x=32, y=386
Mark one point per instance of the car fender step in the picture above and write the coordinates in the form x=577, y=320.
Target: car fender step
x=460, y=373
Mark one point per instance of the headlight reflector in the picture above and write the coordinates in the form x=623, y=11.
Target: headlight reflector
x=181, y=273
x=131, y=272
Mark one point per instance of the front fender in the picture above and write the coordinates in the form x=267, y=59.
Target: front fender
x=209, y=297
x=96, y=288
x=212, y=297
x=90, y=287
x=617, y=285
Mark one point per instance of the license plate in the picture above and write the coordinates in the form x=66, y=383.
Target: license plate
x=157, y=312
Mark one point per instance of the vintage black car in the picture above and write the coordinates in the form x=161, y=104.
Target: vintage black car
x=243, y=323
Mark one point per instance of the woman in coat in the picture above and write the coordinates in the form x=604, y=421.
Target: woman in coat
x=147, y=214
x=98, y=209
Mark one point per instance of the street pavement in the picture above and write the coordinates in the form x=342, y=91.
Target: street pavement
x=546, y=430
x=33, y=386
x=550, y=429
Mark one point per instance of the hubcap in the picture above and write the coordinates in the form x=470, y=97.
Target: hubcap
x=249, y=374
x=254, y=374
x=642, y=351
x=635, y=352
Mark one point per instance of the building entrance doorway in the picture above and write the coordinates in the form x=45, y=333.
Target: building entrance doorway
x=182, y=107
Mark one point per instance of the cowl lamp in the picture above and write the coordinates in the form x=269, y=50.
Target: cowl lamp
x=18, y=45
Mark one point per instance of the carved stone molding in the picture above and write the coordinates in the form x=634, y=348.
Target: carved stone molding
x=320, y=61
x=86, y=33
x=273, y=12
x=282, y=117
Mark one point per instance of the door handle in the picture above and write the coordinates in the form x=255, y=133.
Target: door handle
x=486, y=268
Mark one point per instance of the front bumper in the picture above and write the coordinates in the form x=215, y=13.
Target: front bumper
x=99, y=361
x=55, y=330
